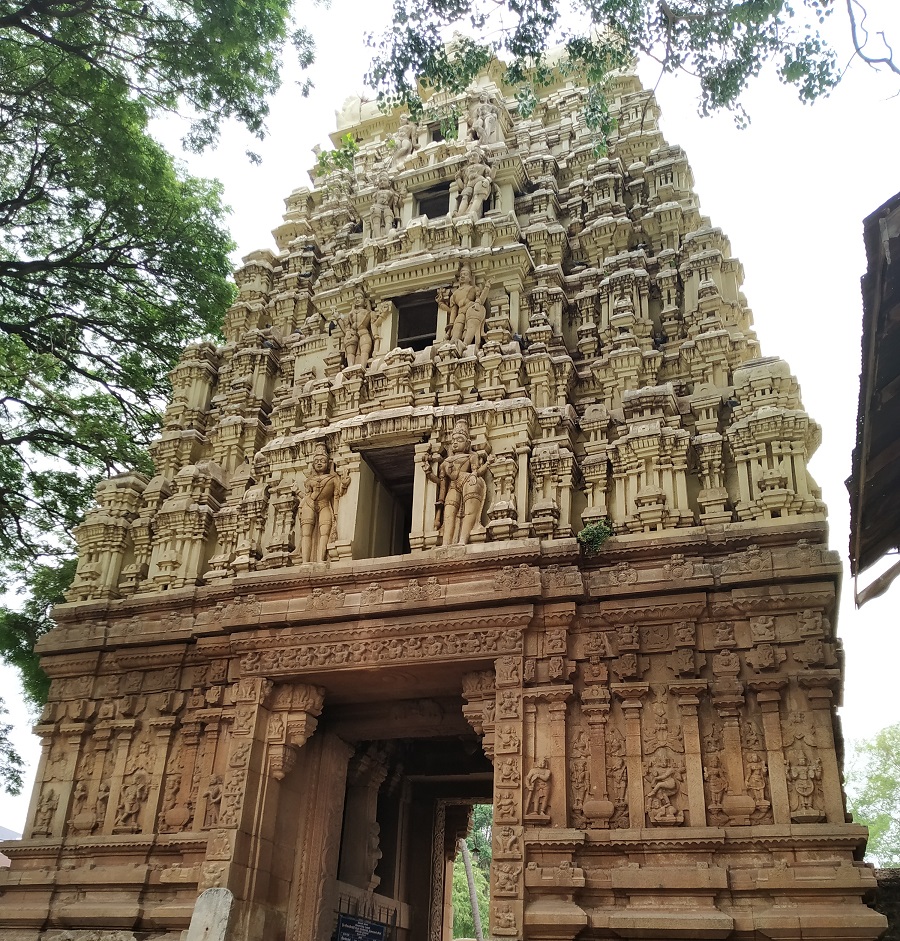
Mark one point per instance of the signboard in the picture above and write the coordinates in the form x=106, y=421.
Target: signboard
x=353, y=928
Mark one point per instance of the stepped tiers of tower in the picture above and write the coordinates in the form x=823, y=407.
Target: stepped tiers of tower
x=351, y=603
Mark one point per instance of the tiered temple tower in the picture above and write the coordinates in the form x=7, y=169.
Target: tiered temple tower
x=351, y=601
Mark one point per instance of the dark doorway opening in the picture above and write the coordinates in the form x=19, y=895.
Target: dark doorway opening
x=417, y=320
x=434, y=202
x=385, y=502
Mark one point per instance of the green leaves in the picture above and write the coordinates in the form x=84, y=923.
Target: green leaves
x=479, y=844
x=592, y=537
x=873, y=793
x=112, y=257
x=724, y=45
x=341, y=158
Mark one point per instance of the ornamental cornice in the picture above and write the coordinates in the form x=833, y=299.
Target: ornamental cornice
x=686, y=607
x=781, y=597
x=435, y=646
x=515, y=617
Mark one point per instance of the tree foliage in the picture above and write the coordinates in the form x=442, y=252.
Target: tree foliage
x=463, y=922
x=112, y=257
x=10, y=762
x=478, y=841
x=873, y=793
x=724, y=44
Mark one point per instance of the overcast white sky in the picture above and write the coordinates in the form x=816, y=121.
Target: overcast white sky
x=791, y=192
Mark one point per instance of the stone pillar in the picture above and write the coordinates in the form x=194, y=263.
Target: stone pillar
x=549, y=748
x=46, y=732
x=768, y=695
x=630, y=695
x=688, y=694
x=523, y=491
x=206, y=760
x=123, y=730
x=595, y=706
x=360, y=849
x=821, y=701
x=348, y=516
x=162, y=728
x=323, y=787
x=423, y=505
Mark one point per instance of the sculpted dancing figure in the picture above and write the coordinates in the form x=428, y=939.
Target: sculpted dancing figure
x=466, y=309
x=461, y=488
x=317, y=511
x=356, y=328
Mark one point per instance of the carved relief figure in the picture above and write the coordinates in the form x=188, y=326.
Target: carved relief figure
x=506, y=920
x=509, y=772
x=461, y=488
x=473, y=183
x=134, y=794
x=79, y=798
x=466, y=308
x=373, y=853
x=505, y=806
x=507, y=878
x=617, y=770
x=804, y=776
x=508, y=841
x=756, y=777
x=537, y=787
x=385, y=211
x=580, y=777
x=664, y=779
x=46, y=810
x=213, y=795
x=318, y=508
x=102, y=801
x=357, y=333
x=716, y=780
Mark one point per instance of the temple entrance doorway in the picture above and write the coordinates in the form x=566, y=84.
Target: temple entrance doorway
x=382, y=811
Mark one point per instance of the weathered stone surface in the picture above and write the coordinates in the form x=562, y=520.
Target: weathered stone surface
x=351, y=602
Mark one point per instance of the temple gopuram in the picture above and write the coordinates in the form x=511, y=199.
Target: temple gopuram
x=488, y=496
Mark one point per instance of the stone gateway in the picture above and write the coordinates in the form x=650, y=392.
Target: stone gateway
x=351, y=603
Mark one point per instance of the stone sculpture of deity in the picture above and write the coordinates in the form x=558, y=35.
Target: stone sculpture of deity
x=473, y=185
x=318, y=509
x=486, y=123
x=404, y=140
x=461, y=487
x=537, y=787
x=356, y=327
x=385, y=209
x=466, y=309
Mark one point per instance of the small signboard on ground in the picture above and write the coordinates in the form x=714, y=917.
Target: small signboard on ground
x=353, y=928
